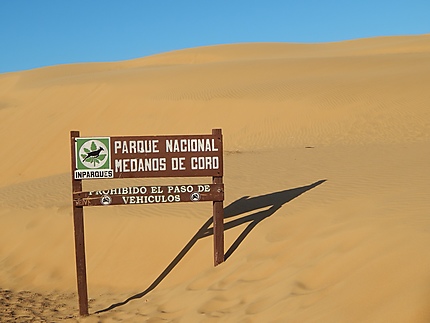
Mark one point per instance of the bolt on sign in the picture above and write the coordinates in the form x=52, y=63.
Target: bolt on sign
x=142, y=157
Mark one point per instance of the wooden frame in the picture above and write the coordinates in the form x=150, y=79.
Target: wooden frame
x=174, y=156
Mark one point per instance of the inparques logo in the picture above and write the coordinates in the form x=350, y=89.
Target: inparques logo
x=93, y=156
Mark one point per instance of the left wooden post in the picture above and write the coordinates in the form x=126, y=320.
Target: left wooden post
x=78, y=223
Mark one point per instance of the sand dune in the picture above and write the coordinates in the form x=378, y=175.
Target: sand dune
x=326, y=174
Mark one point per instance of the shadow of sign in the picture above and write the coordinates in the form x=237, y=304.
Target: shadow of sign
x=269, y=202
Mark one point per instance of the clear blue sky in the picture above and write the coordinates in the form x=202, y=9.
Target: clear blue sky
x=37, y=33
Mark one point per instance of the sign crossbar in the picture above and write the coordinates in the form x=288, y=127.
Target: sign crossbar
x=151, y=195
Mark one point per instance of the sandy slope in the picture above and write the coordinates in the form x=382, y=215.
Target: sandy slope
x=326, y=172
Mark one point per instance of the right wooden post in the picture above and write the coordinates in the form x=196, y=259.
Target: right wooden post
x=218, y=217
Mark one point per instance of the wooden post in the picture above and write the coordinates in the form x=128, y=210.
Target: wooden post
x=218, y=217
x=78, y=223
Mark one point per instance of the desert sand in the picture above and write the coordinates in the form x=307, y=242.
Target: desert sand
x=327, y=170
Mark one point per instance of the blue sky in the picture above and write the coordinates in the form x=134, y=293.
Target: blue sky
x=37, y=33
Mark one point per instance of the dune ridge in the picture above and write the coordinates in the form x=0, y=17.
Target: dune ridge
x=326, y=174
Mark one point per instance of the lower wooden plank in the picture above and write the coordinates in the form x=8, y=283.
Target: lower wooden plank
x=151, y=195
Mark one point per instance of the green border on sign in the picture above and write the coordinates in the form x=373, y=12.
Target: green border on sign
x=96, y=150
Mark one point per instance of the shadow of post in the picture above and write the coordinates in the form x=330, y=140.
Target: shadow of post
x=243, y=205
x=274, y=201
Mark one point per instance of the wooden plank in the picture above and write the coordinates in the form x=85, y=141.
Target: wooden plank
x=151, y=195
x=149, y=156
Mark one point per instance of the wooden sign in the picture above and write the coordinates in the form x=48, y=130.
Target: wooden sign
x=149, y=156
x=141, y=157
x=151, y=195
